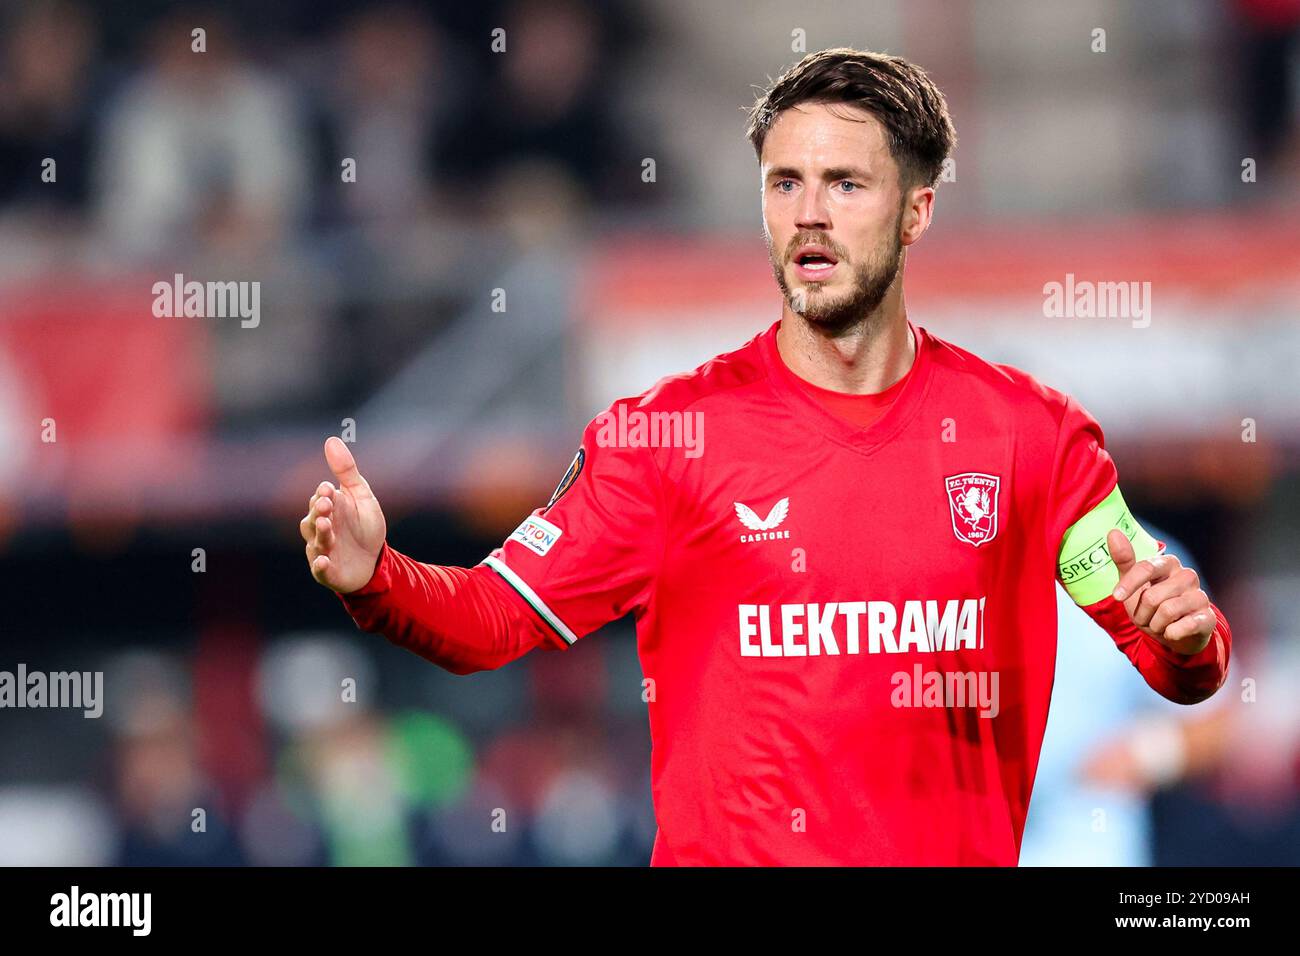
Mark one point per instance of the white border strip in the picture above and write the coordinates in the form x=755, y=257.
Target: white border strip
x=529, y=595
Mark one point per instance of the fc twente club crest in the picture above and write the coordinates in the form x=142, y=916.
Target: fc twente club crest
x=973, y=501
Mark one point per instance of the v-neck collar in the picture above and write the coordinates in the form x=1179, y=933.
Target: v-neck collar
x=866, y=440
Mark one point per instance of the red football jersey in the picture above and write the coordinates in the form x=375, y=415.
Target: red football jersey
x=848, y=634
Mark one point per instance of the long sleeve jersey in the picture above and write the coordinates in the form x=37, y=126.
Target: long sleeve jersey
x=849, y=632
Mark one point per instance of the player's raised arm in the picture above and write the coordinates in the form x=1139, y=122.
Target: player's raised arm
x=588, y=557
x=461, y=619
x=1152, y=607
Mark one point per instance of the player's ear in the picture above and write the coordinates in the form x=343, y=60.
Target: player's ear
x=918, y=210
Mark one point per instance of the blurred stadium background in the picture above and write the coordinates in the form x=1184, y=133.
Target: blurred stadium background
x=521, y=178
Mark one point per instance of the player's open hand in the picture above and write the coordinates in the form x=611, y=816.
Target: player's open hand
x=1163, y=598
x=344, y=527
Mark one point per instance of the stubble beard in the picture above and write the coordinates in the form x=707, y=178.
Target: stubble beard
x=858, y=307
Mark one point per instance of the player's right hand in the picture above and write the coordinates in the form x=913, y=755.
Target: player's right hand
x=344, y=527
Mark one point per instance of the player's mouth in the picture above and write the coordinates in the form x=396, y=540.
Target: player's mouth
x=814, y=263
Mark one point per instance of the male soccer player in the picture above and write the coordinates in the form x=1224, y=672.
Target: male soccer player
x=845, y=600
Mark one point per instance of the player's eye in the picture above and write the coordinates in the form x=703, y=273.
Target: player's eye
x=783, y=182
x=849, y=185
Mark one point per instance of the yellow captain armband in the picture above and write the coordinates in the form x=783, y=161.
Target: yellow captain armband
x=1084, y=564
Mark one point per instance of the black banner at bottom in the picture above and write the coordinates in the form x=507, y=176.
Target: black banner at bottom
x=335, y=906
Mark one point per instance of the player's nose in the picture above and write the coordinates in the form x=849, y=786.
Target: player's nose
x=812, y=212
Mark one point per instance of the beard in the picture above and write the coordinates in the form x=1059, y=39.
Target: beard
x=858, y=305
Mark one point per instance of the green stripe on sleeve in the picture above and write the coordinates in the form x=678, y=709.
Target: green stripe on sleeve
x=1084, y=563
x=549, y=617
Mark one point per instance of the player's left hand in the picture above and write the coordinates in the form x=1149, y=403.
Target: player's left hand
x=1163, y=598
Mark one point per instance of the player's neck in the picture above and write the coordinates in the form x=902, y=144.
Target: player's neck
x=860, y=362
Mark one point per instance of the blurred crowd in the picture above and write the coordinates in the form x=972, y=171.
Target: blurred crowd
x=193, y=125
x=364, y=162
x=285, y=755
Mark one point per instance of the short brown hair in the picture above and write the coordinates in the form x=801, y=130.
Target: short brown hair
x=898, y=93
